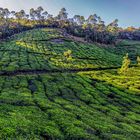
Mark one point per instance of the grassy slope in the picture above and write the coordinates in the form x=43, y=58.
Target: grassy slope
x=82, y=105
x=126, y=46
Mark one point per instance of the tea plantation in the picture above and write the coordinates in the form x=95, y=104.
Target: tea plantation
x=44, y=95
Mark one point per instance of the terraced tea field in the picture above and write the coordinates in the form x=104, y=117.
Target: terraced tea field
x=45, y=96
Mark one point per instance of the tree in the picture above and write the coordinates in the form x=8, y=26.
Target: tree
x=62, y=14
x=113, y=26
x=82, y=20
x=6, y=13
x=13, y=13
x=32, y=13
x=38, y=12
x=68, y=55
x=92, y=29
x=1, y=13
x=20, y=15
x=92, y=19
x=50, y=17
x=45, y=14
x=27, y=16
x=138, y=60
x=125, y=65
x=77, y=19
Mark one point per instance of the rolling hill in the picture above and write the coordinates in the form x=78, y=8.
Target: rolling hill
x=44, y=95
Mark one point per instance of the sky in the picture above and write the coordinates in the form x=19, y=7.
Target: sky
x=127, y=11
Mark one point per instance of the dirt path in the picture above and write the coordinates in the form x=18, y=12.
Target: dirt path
x=39, y=71
x=55, y=71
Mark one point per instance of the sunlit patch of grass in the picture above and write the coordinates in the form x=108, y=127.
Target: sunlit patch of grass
x=130, y=81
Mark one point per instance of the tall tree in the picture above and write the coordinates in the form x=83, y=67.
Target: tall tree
x=13, y=13
x=45, y=14
x=32, y=13
x=79, y=19
x=6, y=13
x=20, y=15
x=138, y=60
x=92, y=19
x=125, y=65
x=39, y=11
x=63, y=15
x=113, y=26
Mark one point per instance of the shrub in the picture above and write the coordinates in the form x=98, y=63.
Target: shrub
x=138, y=60
x=125, y=65
x=68, y=55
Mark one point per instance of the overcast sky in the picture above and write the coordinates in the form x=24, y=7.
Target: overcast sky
x=127, y=11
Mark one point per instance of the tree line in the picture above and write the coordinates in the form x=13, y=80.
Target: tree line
x=92, y=29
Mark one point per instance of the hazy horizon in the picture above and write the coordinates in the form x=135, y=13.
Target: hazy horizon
x=126, y=11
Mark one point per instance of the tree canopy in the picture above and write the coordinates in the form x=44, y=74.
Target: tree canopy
x=92, y=29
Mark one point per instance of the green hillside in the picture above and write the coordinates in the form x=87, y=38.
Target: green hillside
x=44, y=95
